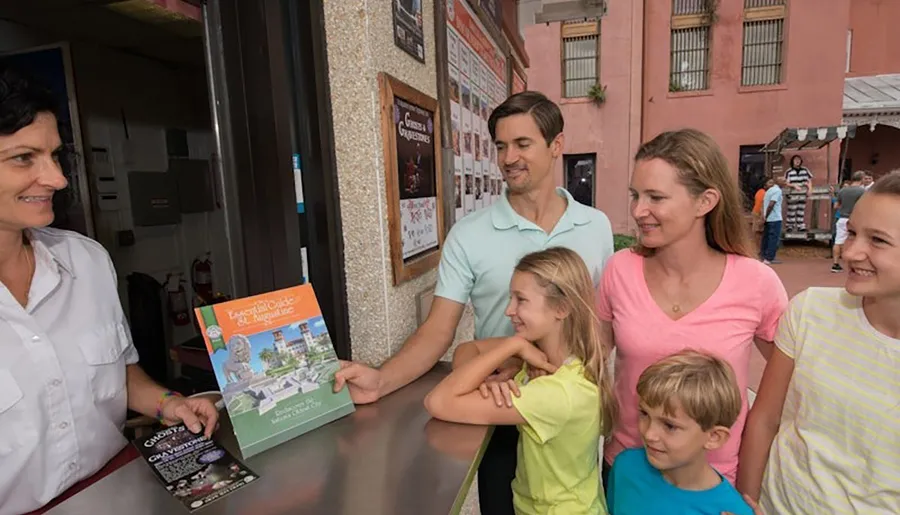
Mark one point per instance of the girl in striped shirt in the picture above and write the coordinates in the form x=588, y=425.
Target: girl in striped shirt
x=824, y=433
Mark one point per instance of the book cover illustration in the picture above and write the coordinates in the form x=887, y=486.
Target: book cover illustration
x=275, y=364
x=194, y=470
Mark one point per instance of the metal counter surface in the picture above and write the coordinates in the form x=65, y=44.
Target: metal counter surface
x=387, y=458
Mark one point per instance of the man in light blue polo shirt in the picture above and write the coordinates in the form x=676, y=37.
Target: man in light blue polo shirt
x=772, y=205
x=477, y=263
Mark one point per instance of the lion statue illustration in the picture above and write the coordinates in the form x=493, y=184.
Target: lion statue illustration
x=237, y=367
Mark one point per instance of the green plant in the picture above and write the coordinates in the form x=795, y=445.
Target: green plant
x=597, y=94
x=674, y=86
x=623, y=241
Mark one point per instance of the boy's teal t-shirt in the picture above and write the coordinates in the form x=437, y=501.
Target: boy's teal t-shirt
x=637, y=488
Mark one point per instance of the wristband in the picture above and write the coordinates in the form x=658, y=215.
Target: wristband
x=162, y=399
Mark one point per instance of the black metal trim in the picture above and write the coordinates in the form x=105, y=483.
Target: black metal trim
x=313, y=135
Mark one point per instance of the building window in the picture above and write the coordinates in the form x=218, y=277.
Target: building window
x=581, y=55
x=689, y=49
x=579, y=170
x=763, y=42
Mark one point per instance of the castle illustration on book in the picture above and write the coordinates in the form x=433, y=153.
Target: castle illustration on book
x=275, y=364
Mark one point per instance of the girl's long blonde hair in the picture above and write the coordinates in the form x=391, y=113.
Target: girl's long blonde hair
x=567, y=285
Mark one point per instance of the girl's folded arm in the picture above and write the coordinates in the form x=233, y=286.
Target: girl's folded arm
x=762, y=423
x=456, y=397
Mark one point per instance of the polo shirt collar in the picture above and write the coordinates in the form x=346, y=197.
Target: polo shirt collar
x=56, y=251
x=505, y=217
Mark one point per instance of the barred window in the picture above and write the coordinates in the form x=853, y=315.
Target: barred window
x=689, y=48
x=763, y=42
x=753, y=4
x=581, y=52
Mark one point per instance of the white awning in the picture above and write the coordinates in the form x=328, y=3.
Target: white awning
x=872, y=100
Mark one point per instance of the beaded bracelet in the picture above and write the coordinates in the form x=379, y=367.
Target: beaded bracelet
x=162, y=399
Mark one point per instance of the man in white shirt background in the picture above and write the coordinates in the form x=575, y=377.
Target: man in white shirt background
x=69, y=370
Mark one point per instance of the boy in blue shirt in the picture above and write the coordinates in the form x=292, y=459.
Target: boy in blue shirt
x=688, y=402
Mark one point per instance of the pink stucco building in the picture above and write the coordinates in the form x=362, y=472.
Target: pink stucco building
x=743, y=74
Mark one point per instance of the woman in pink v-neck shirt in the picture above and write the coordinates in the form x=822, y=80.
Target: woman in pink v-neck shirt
x=689, y=283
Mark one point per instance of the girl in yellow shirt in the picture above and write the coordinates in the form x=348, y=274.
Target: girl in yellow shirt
x=562, y=415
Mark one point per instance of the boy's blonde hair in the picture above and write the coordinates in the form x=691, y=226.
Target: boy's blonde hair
x=704, y=385
x=567, y=284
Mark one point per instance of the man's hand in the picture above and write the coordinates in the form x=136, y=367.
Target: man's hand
x=501, y=385
x=197, y=414
x=362, y=380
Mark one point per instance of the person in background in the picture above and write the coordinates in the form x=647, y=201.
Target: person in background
x=771, y=237
x=759, y=224
x=69, y=371
x=799, y=179
x=562, y=416
x=824, y=433
x=689, y=283
x=868, y=181
x=688, y=402
x=846, y=200
x=837, y=211
x=477, y=262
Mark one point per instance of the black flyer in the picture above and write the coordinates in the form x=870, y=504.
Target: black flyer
x=194, y=470
x=408, y=31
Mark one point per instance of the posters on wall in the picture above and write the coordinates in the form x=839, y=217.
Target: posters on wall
x=415, y=168
x=477, y=71
x=408, y=32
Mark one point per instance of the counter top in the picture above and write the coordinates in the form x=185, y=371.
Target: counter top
x=388, y=458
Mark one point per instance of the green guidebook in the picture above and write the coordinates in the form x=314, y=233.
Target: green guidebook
x=275, y=364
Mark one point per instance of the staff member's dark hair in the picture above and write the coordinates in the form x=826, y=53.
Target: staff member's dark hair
x=21, y=99
x=545, y=112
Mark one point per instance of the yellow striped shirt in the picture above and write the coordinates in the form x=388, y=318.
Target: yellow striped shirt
x=838, y=447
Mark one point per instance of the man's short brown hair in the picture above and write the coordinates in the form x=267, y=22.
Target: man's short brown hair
x=545, y=112
x=705, y=386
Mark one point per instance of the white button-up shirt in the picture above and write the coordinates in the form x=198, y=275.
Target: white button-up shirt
x=62, y=372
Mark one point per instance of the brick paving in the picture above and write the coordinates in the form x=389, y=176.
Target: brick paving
x=797, y=274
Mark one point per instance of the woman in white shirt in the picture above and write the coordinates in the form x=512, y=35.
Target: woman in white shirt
x=68, y=368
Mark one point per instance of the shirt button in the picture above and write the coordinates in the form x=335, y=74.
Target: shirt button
x=35, y=338
x=63, y=425
x=56, y=382
x=72, y=466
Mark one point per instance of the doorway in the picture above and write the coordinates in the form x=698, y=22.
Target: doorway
x=579, y=176
x=751, y=173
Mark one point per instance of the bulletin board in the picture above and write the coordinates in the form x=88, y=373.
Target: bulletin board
x=477, y=74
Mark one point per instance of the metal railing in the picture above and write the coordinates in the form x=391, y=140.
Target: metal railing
x=580, y=56
x=763, y=52
x=689, y=63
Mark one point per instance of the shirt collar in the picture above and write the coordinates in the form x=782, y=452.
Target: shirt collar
x=505, y=217
x=51, y=249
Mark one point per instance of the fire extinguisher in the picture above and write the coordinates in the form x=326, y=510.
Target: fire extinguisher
x=201, y=279
x=178, y=305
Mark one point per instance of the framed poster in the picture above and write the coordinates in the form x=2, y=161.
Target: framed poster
x=408, y=32
x=412, y=171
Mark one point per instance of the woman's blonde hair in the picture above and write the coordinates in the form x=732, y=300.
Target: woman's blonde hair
x=701, y=166
x=567, y=285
